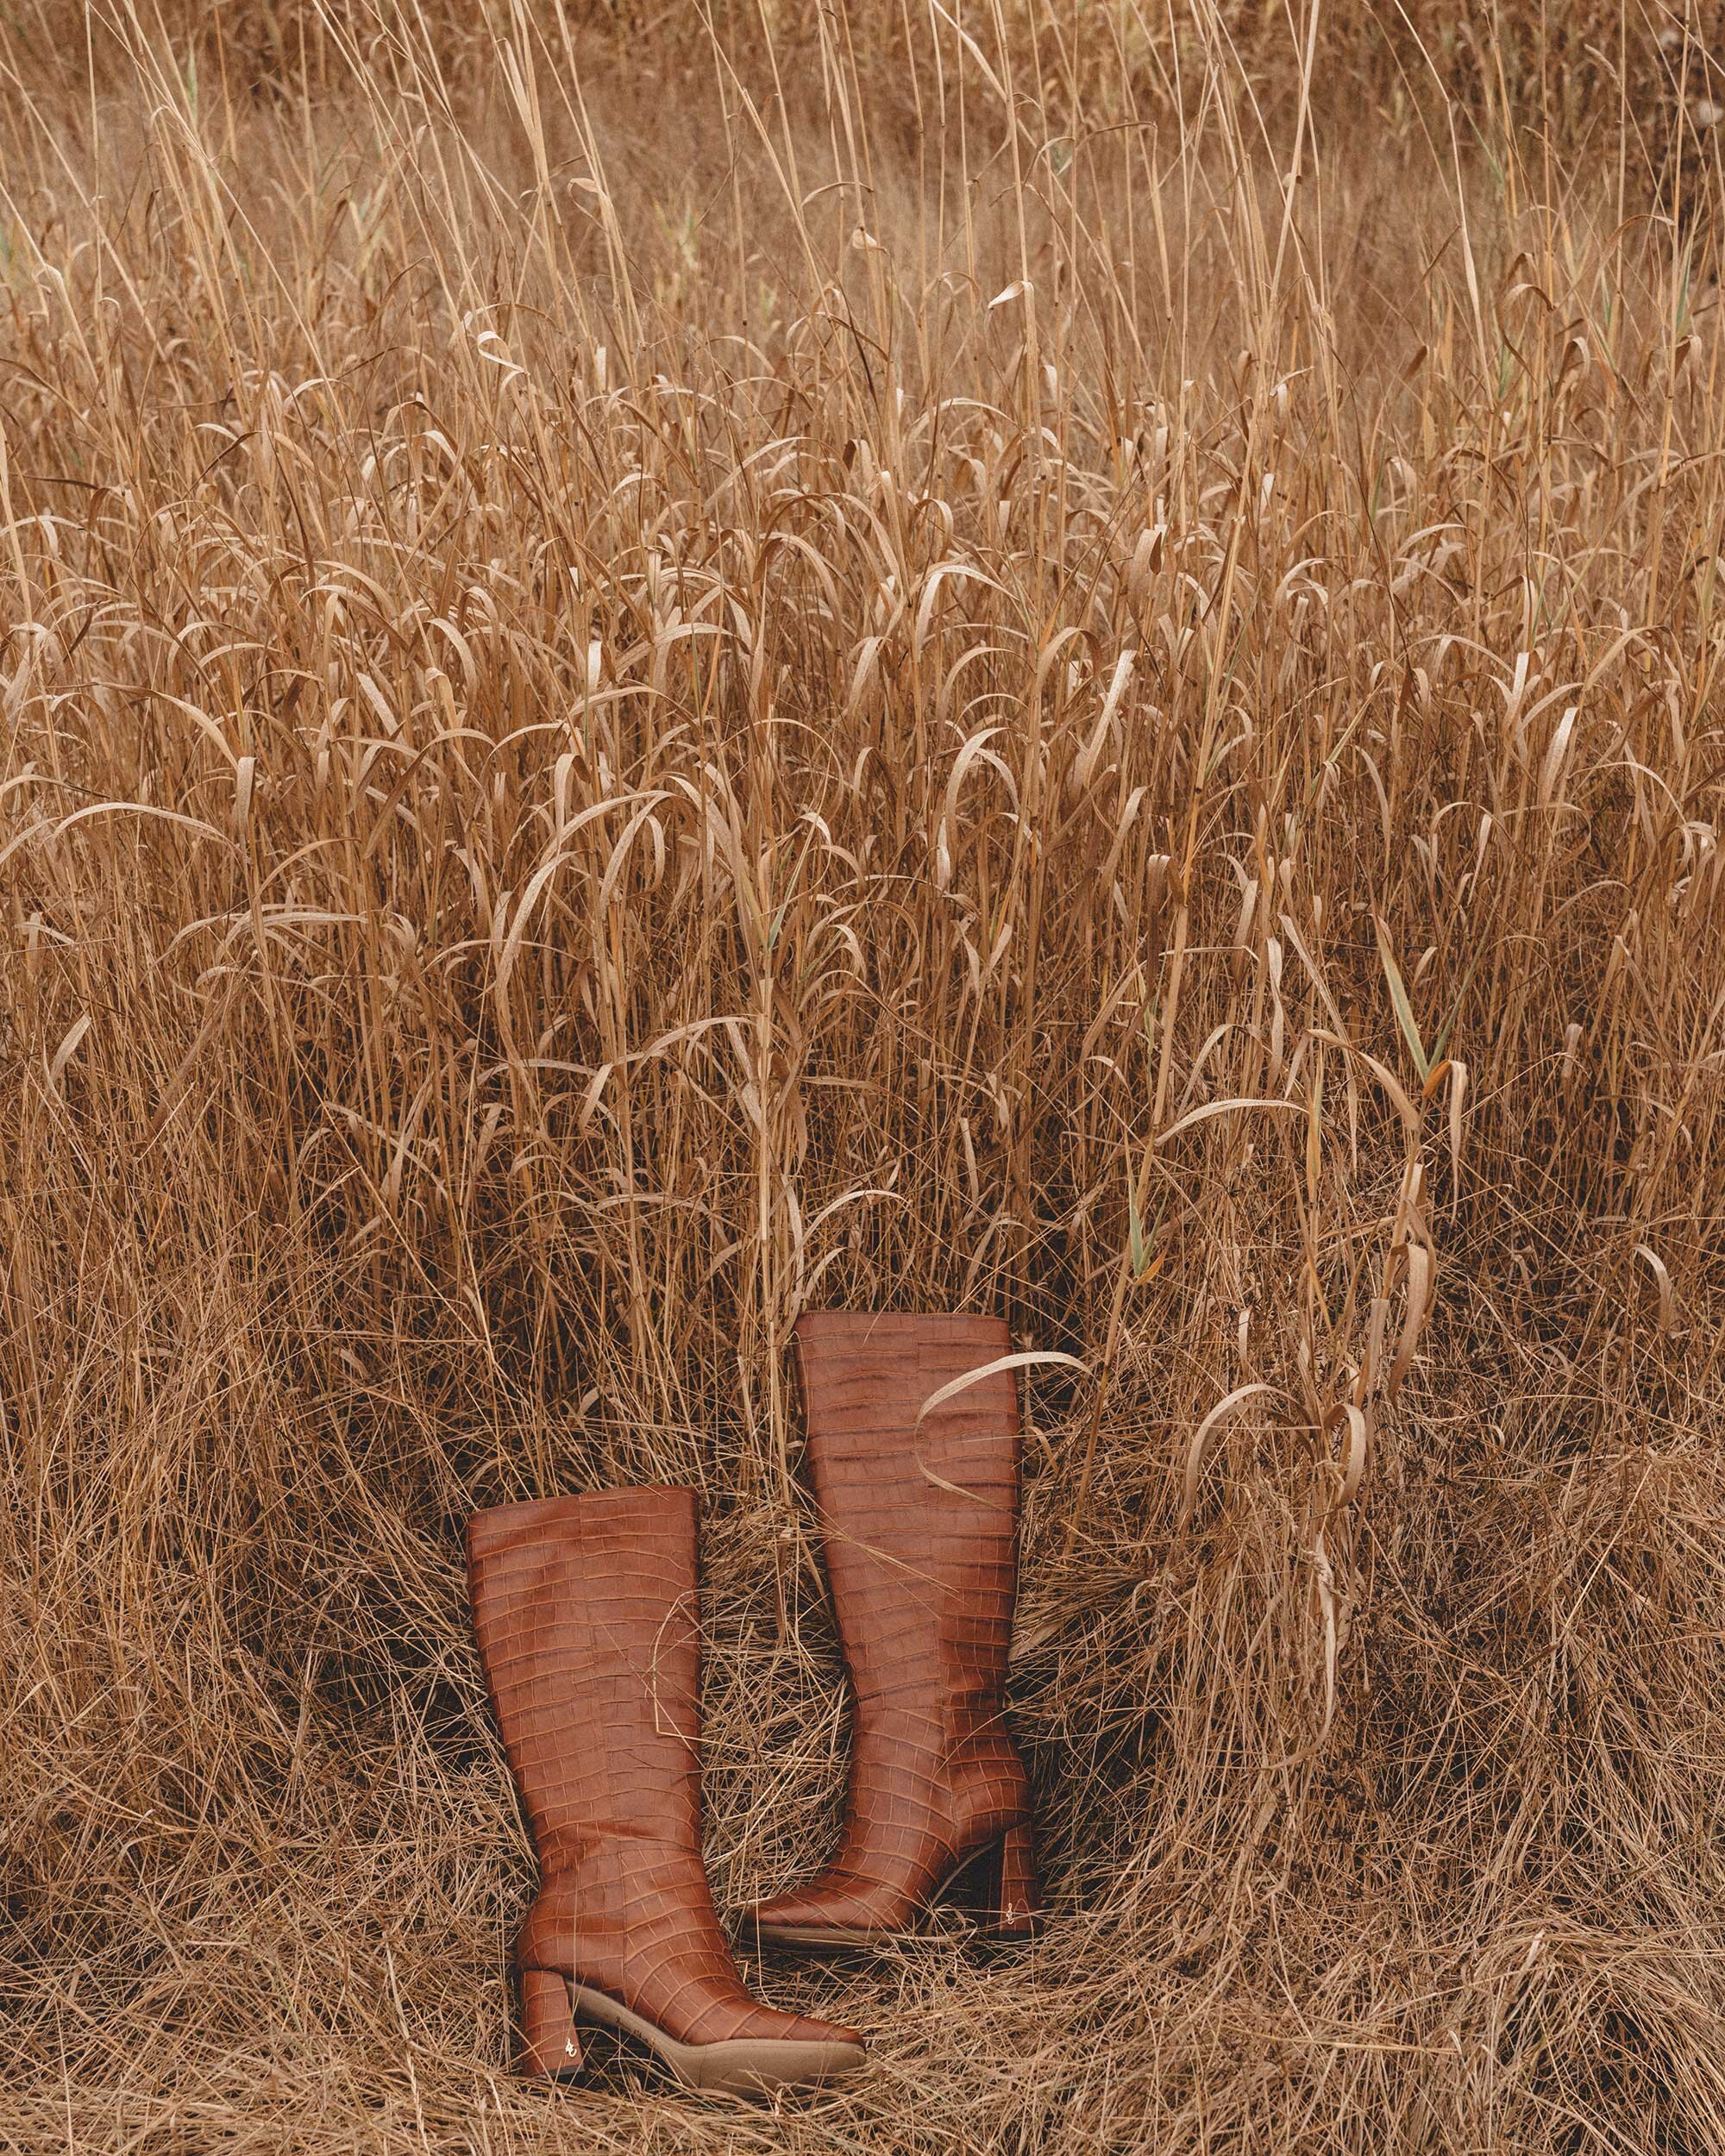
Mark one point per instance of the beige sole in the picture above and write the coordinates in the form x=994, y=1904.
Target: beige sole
x=742, y=2064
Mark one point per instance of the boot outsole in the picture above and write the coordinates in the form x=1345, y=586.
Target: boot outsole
x=741, y=2066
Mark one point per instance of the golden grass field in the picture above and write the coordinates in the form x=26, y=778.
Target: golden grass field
x=1015, y=656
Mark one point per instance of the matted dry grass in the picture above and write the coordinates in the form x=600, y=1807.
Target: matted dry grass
x=645, y=687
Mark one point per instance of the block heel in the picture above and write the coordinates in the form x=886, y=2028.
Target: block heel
x=1011, y=1906
x=549, y=2046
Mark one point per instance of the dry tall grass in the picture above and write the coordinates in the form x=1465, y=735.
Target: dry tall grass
x=1058, y=667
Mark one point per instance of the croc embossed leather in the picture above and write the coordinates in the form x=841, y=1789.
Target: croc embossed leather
x=919, y=1527
x=585, y=1614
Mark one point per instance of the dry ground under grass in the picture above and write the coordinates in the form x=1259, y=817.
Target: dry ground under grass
x=1054, y=668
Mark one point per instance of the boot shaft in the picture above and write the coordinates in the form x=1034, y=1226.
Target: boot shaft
x=586, y=1613
x=919, y=1512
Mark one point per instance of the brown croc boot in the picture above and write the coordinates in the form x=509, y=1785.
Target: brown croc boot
x=919, y=1521
x=585, y=1614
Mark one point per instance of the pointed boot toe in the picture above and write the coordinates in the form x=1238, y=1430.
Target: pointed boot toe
x=779, y=1910
x=830, y=1911
x=785, y=2037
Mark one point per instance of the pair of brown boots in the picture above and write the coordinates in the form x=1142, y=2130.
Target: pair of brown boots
x=585, y=1608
